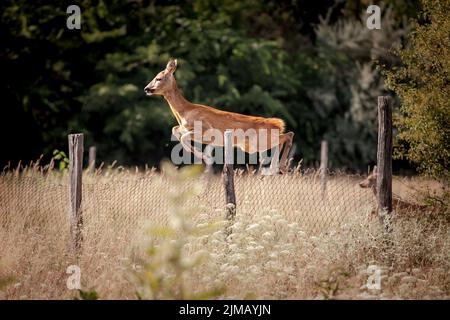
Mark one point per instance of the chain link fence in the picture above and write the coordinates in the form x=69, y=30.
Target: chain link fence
x=123, y=201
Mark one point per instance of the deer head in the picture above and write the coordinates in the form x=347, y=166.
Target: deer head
x=370, y=181
x=164, y=80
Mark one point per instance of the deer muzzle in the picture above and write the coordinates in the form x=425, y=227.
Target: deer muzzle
x=149, y=91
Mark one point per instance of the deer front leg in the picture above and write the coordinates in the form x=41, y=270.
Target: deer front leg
x=185, y=140
x=176, y=132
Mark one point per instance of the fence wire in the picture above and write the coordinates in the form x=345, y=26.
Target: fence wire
x=124, y=201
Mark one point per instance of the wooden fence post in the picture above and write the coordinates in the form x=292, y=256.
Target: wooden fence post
x=92, y=156
x=323, y=166
x=384, y=157
x=75, y=190
x=228, y=176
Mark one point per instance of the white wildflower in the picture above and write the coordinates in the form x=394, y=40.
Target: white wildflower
x=293, y=225
x=268, y=235
x=252, y=227
x=273, y=255
x=281, y=222
x=237, y=257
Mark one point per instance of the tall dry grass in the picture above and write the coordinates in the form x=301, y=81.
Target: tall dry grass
x=287, y=242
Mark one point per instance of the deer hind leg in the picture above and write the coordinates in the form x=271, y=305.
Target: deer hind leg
x=286, y=144
x=185, y=140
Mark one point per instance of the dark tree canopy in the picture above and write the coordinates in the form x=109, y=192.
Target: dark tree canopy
x=311, y=63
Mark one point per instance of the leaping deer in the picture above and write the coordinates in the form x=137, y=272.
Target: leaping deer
x=186, y=113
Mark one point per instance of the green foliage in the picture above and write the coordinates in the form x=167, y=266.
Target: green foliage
x=60, y=158
x=169, y=263
x=275, y=59
x=5, y=281
x=329, y=95
x=227, y=69
x=87, y=295
x=330, y=285
x=423, y=84
x=350, y=84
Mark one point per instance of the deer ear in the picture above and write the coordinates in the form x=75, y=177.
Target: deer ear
x=171, y=65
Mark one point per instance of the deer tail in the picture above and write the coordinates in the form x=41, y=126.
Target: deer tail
x=277, y=123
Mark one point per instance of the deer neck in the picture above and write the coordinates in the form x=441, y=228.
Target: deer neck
x=177, y=103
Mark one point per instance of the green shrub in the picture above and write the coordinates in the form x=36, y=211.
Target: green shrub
x=423, y=85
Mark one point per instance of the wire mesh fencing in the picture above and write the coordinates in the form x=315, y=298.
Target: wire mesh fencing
x=124, y=201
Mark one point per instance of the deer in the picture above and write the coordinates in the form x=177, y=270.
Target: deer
x=211, y=118
x=397, y=203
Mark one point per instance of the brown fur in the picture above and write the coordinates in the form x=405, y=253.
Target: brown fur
x=187, y=113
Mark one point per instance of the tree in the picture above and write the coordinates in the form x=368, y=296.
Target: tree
x=227, y=69
x=348, y=54
x=253, y=57
x=423, y=84
x=45, y=67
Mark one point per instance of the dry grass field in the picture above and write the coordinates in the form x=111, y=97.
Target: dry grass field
x=161, y=235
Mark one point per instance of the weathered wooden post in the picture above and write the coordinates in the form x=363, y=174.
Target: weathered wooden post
x=92, y=156
x=323, y=167
x=228, y=176
x=384, y=157
x=75, y=190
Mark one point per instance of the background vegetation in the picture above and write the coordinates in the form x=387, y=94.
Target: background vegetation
x=314, y=65
x=423, y=83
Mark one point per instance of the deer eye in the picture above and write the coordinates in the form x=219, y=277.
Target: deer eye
x=158, y=79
